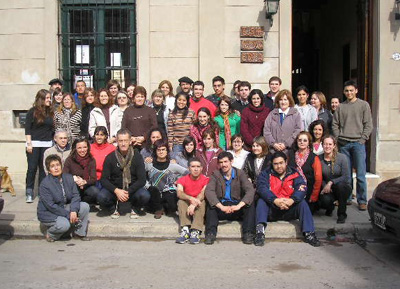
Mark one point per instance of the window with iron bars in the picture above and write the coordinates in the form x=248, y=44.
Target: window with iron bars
x=98, y=42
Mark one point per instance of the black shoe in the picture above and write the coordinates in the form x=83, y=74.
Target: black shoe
x=259, y=240
x=311, y=238
x=248, y=238
x=141, y=211
x=341, y=219
x=210, y=239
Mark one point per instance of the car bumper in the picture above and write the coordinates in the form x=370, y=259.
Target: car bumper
x=385, y=218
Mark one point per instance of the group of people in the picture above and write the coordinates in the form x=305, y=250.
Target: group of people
x=252, y=156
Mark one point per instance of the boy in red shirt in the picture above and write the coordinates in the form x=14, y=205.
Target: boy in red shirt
x=191, y=204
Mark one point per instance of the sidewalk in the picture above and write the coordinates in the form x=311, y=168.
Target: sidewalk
x=19, y=219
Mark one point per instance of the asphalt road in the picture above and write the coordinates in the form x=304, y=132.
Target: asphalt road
x=226, y=264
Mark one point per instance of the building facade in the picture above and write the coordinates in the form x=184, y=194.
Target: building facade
x=316, y=43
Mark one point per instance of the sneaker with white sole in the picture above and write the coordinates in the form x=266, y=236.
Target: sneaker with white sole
x=183, y=238
x=194, y=237
x=133, y=215
x=115, y=215
x=311, y=238
x=29, y=199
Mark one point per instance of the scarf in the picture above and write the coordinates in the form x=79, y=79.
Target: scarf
x=301, y=160
x=256, y=109
x=84, y=163
x=106, y=113
x=125, y=164
x=227, y=128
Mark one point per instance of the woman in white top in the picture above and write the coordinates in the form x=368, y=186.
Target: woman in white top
x=239, y=154
x=123, y=100
x=166, y=87
x=318, y=131
x=307, y=111
x=105, y=114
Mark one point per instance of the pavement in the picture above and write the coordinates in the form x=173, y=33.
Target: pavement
x=19, y=219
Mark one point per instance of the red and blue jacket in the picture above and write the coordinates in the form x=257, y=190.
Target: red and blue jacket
x=292, y=185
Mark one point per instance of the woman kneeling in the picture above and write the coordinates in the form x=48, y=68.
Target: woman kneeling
x=60, y=208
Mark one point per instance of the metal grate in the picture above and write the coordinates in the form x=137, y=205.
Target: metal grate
x=98, y=42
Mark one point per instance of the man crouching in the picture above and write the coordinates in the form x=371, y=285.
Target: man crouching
x=282, y=190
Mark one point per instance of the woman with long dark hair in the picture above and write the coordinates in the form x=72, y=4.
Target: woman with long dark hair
x=308, y=165
x=258, y=160
x=227, y=121
x=307, y=111
x=82, y=166
x=161, y=176
x=147, y=151
x=56, y=98
x=318, y=130
x=336, y=179
x=189, y=151
x=87, y=107
x=106, y=114
x=68, y=117
x=39, y=136
x=179, y=122
x=208, y=155
x=203, y=122
x=253, y=117
x=157, y=98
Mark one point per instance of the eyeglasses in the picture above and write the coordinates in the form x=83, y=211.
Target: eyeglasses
x=302, y=140
x=121, y=97
x=162, y=149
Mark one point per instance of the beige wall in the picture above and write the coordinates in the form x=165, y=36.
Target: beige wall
x=388, y=91
x=200, y=39
x=28, y=60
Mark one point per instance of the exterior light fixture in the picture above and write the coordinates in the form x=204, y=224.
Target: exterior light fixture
x=272, y=7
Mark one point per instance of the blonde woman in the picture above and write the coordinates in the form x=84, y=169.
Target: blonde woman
x=68, y=117
x=318, y=100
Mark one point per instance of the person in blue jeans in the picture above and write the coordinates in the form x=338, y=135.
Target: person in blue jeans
x=352, y=125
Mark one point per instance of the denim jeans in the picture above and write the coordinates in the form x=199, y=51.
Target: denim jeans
x=356, y=155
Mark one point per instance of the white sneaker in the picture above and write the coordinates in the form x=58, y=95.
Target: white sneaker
x=134, y=215
x=29, y=199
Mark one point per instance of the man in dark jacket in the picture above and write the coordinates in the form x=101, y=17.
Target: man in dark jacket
x=230, y=196
x=123, y=178
x=282, y=190
x=60, y=205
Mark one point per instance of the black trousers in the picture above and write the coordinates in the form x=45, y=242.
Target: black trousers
x=35, y=161
x=341, y=193
x=167, y=200
x=89, y=194
x=247, y=214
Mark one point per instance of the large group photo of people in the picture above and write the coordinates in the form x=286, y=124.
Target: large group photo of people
x=244, y=155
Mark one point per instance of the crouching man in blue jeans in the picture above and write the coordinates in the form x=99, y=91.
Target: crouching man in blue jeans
x=282, y=190
x=60, y=208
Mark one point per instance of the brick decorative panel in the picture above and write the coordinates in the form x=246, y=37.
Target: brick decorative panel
x=251, y=32
x=251, y=57
x=252, y=45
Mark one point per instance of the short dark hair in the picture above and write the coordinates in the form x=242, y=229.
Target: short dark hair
x=279, y=155
x=245, y=83
x=218, y=78
x=102, y=129
x=350, y=83
x=158, y=144
x=198, y=82
x=225, y=154
x=194, y=159
x=302, y=87
x=139, y=89
x=275, y=78
x=52, y=158
x=113, y=82
x=236, y=83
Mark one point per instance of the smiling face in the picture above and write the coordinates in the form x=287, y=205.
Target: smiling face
x=55, y=168
x=113, y=90
x=274, y=86
x=225, y=165
x=203, y=118
x=130, y=90
x=302, y=97
x=89, y=98
x=256, y=100
x=189, y=147
x=100, y=138
x=318, y=132
x=335, y=103
x=47, y=100
x=103, y=97
x=58, y=97
x=315, y=102
x=223, y=106
x=82, y=148
x=302, y=142
x=198, y=91
x=158, y=99
x=328, y=146
x=181, y=102
x=185, y=87
x=161, y=153
x=155, y=135
x=237, y=144
x=67, y=101
x=351, y=93
x=256, y=149
x=165, y=89
x=139, y=99
x=208, y=142
x=284, y=103
x=122, y=99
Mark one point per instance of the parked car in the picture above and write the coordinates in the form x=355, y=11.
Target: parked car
x=384, y=209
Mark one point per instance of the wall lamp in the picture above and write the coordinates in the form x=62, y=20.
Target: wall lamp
x=397, y=12
x=272, y=7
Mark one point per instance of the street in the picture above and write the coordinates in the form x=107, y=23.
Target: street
x=226, y=264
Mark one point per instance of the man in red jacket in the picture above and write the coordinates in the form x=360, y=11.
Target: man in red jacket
x=198, y=101
x=282, y=190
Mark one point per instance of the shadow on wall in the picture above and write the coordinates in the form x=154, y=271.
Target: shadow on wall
x=394, y=24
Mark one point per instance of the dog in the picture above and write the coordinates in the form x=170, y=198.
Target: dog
x=6, y=183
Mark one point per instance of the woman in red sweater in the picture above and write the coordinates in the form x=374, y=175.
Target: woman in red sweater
x=100, y=149
x=82, y=166
x=253, y=117
x=203, y=122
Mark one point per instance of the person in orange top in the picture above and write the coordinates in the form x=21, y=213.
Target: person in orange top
x=198, y=101
x=100, y=149
x=308, y=165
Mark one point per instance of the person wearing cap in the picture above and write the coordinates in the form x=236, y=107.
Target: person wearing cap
x=55, y=83
x=185, y=84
